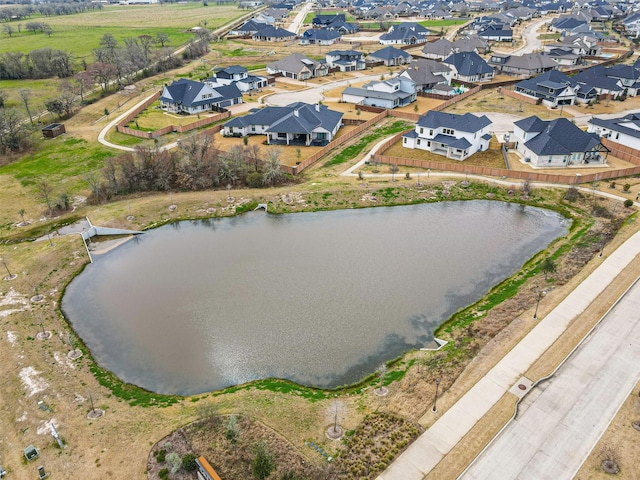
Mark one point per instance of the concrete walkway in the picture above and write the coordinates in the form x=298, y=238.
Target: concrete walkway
x=560, y=421
x=427, y=451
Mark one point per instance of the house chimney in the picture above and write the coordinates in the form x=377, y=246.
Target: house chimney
x=317, y=107
x=295, y=112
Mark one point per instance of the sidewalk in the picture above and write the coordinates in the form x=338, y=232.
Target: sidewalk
x=427, y=451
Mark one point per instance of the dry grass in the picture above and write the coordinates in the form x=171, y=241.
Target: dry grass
x=488, y=158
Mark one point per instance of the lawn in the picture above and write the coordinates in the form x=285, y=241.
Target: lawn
x=82, y=40
x=81, y=33
x=41, y=91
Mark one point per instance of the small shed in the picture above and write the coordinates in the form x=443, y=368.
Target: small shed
x=53, y=130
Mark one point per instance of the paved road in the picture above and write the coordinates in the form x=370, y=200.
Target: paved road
x=313, y=94
x=297, y=22
x=530, y=38
x=561, y=421
x=427, y=451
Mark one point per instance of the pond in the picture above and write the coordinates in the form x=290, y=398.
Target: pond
x=319, y=298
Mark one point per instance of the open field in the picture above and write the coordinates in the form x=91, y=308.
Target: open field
x=81, y=33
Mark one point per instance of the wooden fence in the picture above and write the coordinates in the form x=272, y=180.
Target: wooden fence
x=622, y=152
x=335, y=143
x=122, y=128
x=503, y=172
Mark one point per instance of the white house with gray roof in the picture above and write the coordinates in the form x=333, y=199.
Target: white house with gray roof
x=556, y=143
x=623, y=130
x=191, y=97
x=298, y=66
x=453, y=136
x=296, y=124
x=392, y=93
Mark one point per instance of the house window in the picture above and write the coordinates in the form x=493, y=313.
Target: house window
x=428, y=144
x=253, y=128
x=421, y=130
x=431, y=132
x=418, y=141
x=282, y=135
x=617, y=135
x=321, y=136
x=448, y=131
x=404, y=140
x=549, y=161
x=564, y=160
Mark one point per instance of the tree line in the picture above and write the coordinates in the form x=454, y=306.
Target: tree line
x=195, y=165
x=16, y=13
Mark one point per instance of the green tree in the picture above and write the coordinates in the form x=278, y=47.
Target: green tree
x=263, y=463
x=548, y=266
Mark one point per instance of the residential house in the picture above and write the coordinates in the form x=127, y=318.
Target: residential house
x=623, y=130
x=239, y=76
x=556, y=89
x=249, y=28
x=392, y=93
x=471, y=43
x=564, y=57
x=632, y=25
x=607, y=81
x=316, y=36
x=295, y=124
x=526, y=65
x=429, y=75
x=469, y=67
x=298, y=67
x=272, y=34
x=407, y=33
x=191, y=97
x=556, y=143
x=581, y=44
x=438, y=50
x=454, y=136
x=496, y=33
x=324, y=20
x=346, y=60
x=390, y=56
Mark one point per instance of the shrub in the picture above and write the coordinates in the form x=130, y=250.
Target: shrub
x=163, y=474
x=254, y=180
x=189, y=462
x=628, y=203
x=626, y=187
x=160, y=455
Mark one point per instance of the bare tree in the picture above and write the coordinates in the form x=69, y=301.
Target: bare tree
x=273, y=174
x=334, y=412
x=13, y=131
x=25, y=95
x=8, y=29
x=162, y=38
x=45, y=192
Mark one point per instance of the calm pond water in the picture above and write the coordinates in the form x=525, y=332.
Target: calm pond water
x=319, y=298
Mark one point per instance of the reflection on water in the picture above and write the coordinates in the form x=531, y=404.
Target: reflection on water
x=319, y=298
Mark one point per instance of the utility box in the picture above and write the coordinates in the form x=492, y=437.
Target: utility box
x=53, y=130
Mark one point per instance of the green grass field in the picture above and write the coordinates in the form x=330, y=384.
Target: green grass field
x=63, y=160
x=81, y=33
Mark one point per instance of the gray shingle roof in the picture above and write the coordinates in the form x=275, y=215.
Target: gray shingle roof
x=616, y=124
x=389, y=53
x=468, y=64
x=465, y=123
x=561, y=137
